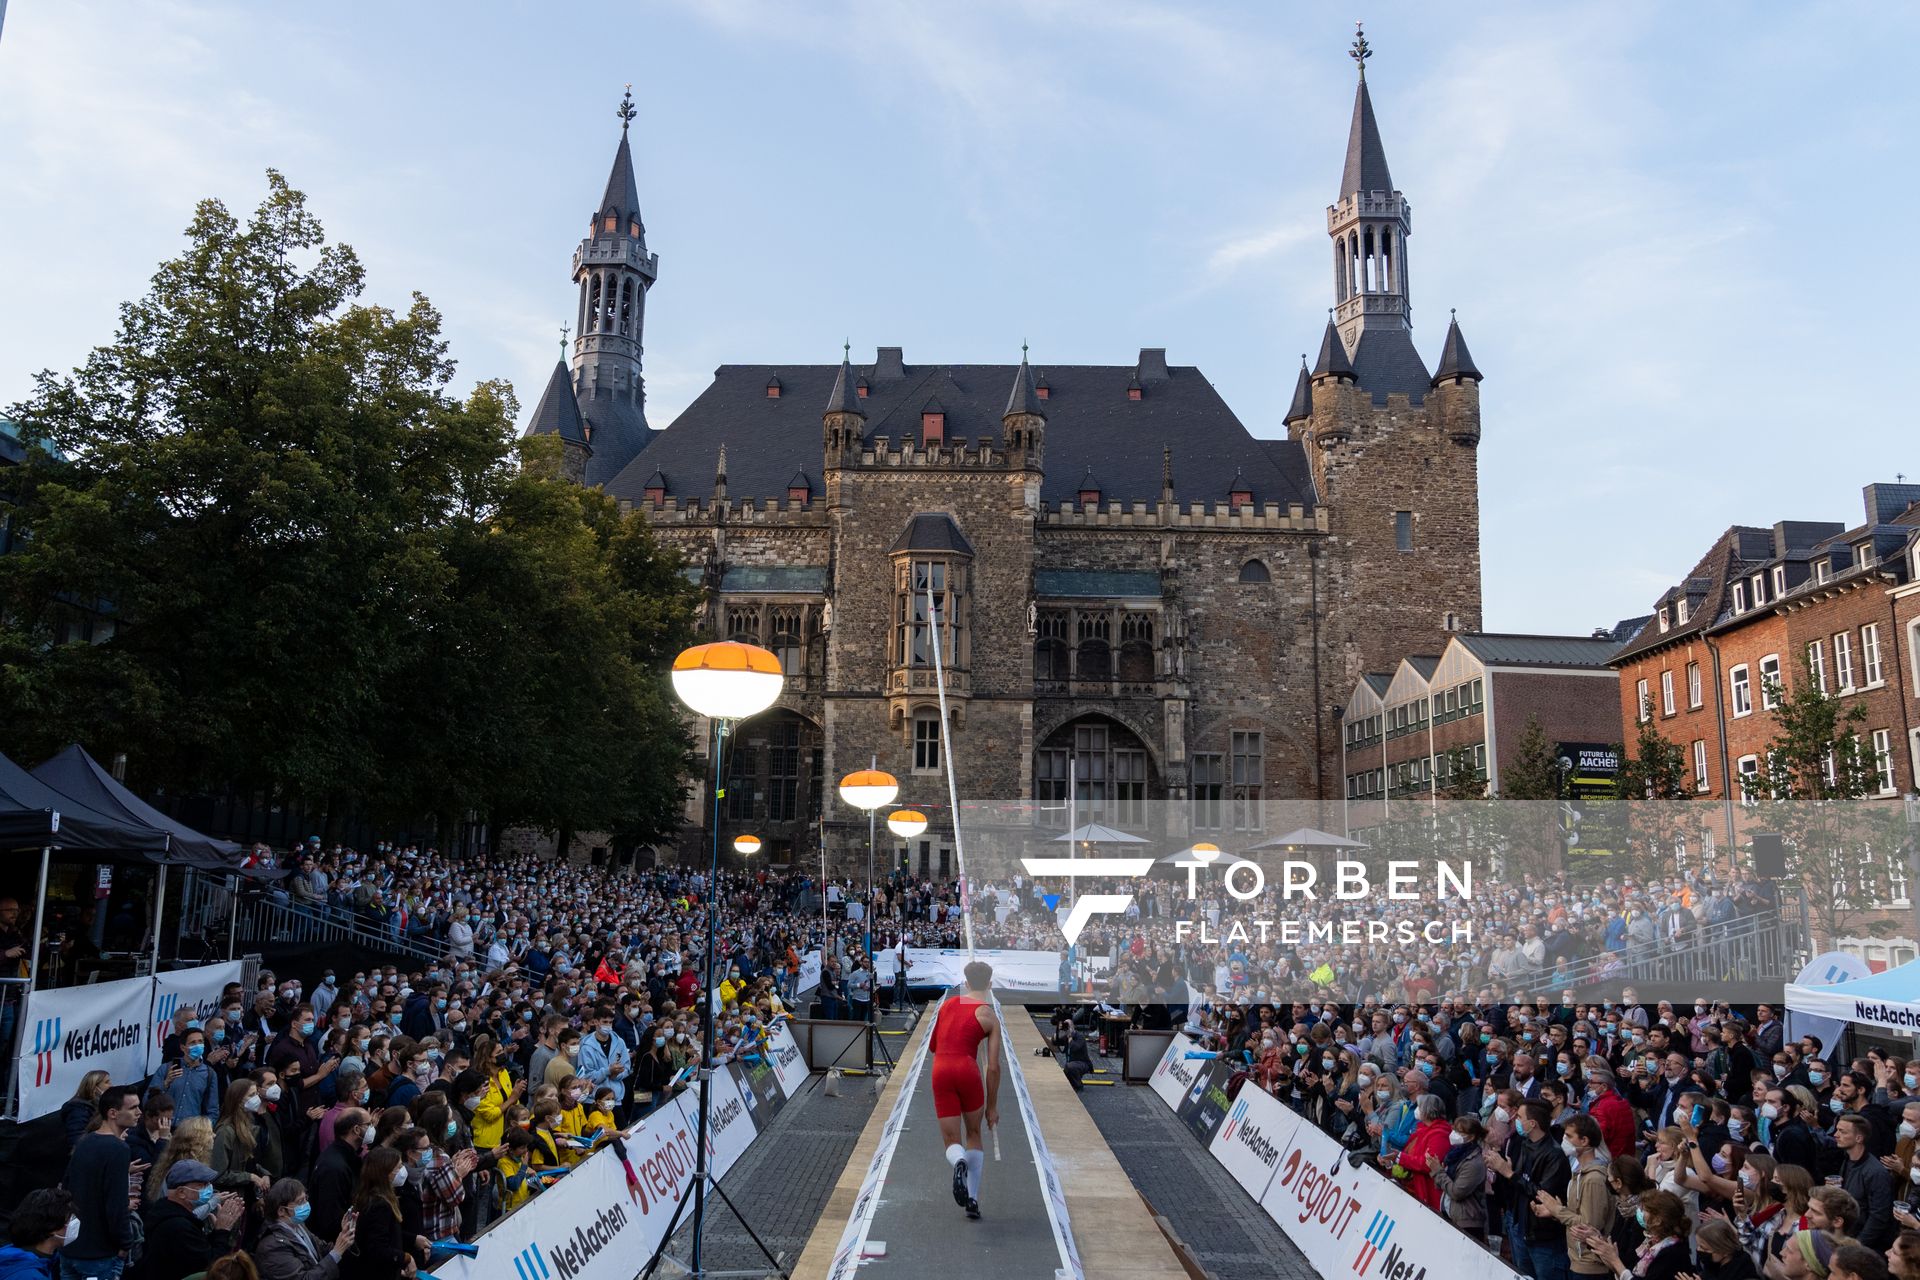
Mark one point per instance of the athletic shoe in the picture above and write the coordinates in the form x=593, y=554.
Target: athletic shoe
x=973, y=1209
x=960, y=1182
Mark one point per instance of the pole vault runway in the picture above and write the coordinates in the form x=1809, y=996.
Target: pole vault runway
x=906, y=1202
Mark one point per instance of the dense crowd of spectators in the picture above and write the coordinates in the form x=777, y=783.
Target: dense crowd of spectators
x=1609, y=1138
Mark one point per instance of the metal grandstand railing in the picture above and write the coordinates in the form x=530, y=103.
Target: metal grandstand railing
x=1761, y=948
x=214, y=905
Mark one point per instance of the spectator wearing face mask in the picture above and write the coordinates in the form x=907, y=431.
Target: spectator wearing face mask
x=336, y=1173
x=381, y=1249
x=604, y=1059
x=42, y=1223
x=189, y=1226
x=287, y=1250
x=189, y=1081
x=653, y=1070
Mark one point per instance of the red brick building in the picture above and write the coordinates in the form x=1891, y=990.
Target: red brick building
x=1805, y=600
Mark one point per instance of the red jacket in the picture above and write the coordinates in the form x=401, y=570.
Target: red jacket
x=1615, y=1118
x=1430, y=1138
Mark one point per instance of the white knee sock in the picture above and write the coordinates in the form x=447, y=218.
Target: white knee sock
x=976, y=1161
x=955, y=1153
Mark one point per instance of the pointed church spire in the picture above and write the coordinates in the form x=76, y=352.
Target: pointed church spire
x=1333, y=361
x=1023, y=398
x=558, y=413
x=1366, y=157
x=1302, y=406
x=844, y=398
x=1455, y=361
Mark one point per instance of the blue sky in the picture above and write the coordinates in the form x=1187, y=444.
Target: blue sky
x=1641, y=212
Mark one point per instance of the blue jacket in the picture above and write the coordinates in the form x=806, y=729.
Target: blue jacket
x=24, y=1264
x=195, y=1093
x=592, y=1062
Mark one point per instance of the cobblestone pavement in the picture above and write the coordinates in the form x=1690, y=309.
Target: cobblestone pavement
x=1211, y=1212
x=785, y=1178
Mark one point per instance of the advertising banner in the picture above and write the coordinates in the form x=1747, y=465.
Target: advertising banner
x=1248, y=1144
x=1352, y=1223
x=197, y=989
x=732, y=1122
x=69, y=1031
x=946, y=967
x=760, y=1087
x=809, y=976
x=1205, y=1104
x=789, y=1066
x=1176, y=1073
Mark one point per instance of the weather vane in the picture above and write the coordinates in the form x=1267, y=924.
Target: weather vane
x=626, y=111
x=1360, y=52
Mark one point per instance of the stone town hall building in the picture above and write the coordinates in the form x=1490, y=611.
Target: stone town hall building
x=1135, y=582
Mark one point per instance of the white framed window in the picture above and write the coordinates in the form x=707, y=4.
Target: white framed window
x=1770, y=681
x=1913, y=641
x=1749, y=771
x=1817, y=665
x=1642, y=708
x=1897, y=878
x=1830, y=766
x=1740, y=687
x=1843, y=661
x=1664, y=623
x=1779, y=580
x=1870, y=655
x=1863, y=555
x=1666, y=693
x=1739, y=597
x=1699, y=764
x=1680, y=611
x=1822, y=570
x=1883, y=759
x=1693, y=685
x=1759, y=584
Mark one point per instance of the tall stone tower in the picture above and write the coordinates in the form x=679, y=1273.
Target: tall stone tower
x=1393, y=449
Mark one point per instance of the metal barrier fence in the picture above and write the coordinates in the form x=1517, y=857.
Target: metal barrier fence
x=214, y=910
x=1760, y=948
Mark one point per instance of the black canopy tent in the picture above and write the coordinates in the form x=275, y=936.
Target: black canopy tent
x=35, y=815
x=78, y=775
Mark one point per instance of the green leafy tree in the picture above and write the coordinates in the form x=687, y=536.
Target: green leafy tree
x=1652, y=810
x=326, y=577
x=1814, y=786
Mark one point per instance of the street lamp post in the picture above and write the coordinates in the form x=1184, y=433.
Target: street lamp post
x=724, y=681
x=869, y=789
x=905, y=823
x=747, y=845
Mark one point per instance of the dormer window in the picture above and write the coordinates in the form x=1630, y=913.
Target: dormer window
x=611, y=222
x=799, y=489
x=1664, y=621
x=1681, y=615
x=1759, y=582
x=1089, y=497
x=1864, y=556
x=773, y=388
x=1133, y=389
x=1779, y=580
x=656, y=489
x=633, y=227
x=860, y=388
x=1822, y=571
x=1739, y=597
x=1240, y=495
x=933, y=428
x=1042, y=390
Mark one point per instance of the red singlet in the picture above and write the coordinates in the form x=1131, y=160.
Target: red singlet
x=957, y=1034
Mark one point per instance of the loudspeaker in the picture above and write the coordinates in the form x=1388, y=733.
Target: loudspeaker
x=1769, y=855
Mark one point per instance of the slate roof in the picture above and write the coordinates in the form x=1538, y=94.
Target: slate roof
x=1512, y=650
x=1089, y=421
x=1425, y=664
x=622, y=193
x=558, y=413
x=1096, y=584
x=1302, y=405
x=1731, y=555
x=1455, y=360
x=1386, y=361
x=932, y=531
x=620, y=431
x=1366, y=158
x=1333, y=355
x=1378, y=681
x=1023, y=398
